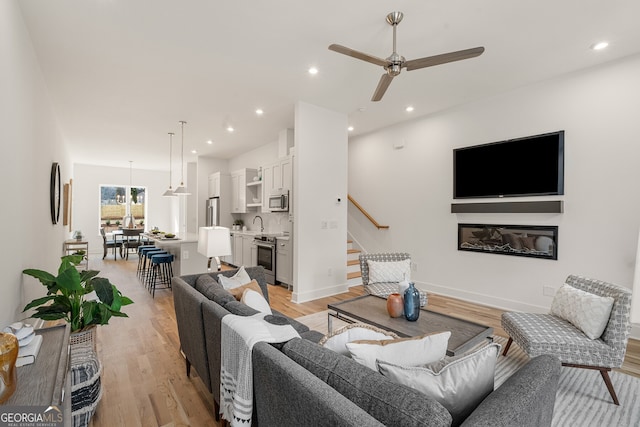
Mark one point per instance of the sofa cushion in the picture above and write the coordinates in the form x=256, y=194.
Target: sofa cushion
x=584, y=310
x=413, y=351
x=338, y=339
x=205, y=283
x=240, y=309
x=459, y=385
x=386, y=401
x=207, y=286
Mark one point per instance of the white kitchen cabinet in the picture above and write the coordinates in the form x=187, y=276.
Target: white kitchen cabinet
x=237, y=250
x=229, y=258
x=284, y=261
x=244, y=250
x=247, y=246
x=214, y=185
x=239, y=189
x=276, y=176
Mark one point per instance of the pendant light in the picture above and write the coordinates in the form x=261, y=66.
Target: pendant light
x=129, y=221
x=182, y=190
x=169, y=192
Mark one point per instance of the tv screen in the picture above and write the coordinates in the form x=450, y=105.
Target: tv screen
x=531, y=166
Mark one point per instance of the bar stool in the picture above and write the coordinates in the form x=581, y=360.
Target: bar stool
x=161, y=272
x=146, y=260
x=141, y=253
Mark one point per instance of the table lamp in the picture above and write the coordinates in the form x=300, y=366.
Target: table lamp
x=214, y=242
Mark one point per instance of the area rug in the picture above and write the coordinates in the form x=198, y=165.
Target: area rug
x=582, y=398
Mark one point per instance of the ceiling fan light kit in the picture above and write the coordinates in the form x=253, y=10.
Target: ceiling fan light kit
x=394, y=64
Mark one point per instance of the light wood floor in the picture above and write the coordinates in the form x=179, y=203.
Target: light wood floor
x=144, y=380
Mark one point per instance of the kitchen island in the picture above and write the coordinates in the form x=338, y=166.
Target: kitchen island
x=184, y=248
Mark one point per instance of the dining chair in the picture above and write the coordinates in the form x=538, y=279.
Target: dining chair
x=110, y=244
x=131, y=240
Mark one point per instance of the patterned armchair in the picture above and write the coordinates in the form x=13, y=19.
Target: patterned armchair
x=540, y=334
x=384, y=289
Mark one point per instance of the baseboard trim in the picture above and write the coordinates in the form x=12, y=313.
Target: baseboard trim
x=298, y=297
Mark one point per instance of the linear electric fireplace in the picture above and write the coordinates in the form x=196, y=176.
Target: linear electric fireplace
x=521, y=240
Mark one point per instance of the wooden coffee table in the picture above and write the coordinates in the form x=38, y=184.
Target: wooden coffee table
x=372, y=310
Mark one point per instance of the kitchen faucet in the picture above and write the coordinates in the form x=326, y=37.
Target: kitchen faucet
x=261, y=223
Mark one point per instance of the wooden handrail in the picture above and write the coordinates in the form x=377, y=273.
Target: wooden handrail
x=365, y=213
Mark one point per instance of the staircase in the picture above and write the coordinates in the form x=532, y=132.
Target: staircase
x=354, y=277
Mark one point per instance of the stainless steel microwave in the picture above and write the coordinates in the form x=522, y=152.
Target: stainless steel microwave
x=279, y=201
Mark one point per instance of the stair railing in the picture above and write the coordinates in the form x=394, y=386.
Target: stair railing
x=365, y=213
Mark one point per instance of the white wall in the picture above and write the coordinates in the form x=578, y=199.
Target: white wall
x=411, y=189
x=86, y=198
x=320, y=176
x=31, y=141
x=265, y=154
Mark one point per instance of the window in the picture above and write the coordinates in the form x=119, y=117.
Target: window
x=114, y=201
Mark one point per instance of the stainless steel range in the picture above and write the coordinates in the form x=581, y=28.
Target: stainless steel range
x=266, y=245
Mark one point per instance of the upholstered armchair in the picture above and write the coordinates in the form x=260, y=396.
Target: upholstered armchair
x=381, y=286
x=540, y=334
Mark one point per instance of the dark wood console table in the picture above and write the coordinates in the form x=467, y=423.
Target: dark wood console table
x=46, y=381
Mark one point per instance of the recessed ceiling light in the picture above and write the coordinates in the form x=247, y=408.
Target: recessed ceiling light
x=209, y=142
x=599, y=45
x=350, y=128
x=313, y=71
x=230, y=129
x=194, y=152
x=259, y=112
x=409, y=109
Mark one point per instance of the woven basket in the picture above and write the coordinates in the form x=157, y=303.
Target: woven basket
x=85, y=337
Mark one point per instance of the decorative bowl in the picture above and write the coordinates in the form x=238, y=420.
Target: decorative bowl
x=169, y=235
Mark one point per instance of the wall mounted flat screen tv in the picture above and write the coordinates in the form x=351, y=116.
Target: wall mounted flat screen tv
x=531, y=166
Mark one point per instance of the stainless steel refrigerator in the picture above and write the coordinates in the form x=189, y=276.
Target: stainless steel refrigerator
x=213, y=211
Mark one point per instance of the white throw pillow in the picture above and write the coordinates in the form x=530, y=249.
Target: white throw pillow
x=337, y=340
x=584, y=310
x=459, y=386
x=256, y=301
x=404, y=351
x=389, y=271
x=240, y=278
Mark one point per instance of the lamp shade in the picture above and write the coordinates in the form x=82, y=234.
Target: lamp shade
x=169, y=193
x=181, y=191
x=214, y=241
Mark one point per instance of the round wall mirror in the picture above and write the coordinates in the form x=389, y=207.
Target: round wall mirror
x=54, y=192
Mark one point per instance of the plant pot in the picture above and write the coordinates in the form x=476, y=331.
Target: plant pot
x=85, y=337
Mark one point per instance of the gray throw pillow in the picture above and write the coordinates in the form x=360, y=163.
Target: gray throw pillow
x=386, y=401
x=459, y=385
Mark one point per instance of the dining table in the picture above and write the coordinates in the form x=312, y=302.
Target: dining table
x=128, y=238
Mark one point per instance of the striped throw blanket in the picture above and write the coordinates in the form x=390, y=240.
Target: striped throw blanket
x=239, y=334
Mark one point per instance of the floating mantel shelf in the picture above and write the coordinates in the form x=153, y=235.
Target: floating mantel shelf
x=549, y=206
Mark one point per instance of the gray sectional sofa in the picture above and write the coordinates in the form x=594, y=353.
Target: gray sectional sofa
x=301, y=383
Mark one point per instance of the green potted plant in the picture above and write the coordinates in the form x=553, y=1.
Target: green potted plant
x=67, y=296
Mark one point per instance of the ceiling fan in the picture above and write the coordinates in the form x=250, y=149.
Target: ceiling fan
x=394, y=63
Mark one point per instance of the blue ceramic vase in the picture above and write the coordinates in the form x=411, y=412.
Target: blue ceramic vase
x=411, y=303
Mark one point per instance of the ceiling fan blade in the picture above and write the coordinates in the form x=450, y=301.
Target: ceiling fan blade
x=383, y=84
x=358, y=55
x=430, y=61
